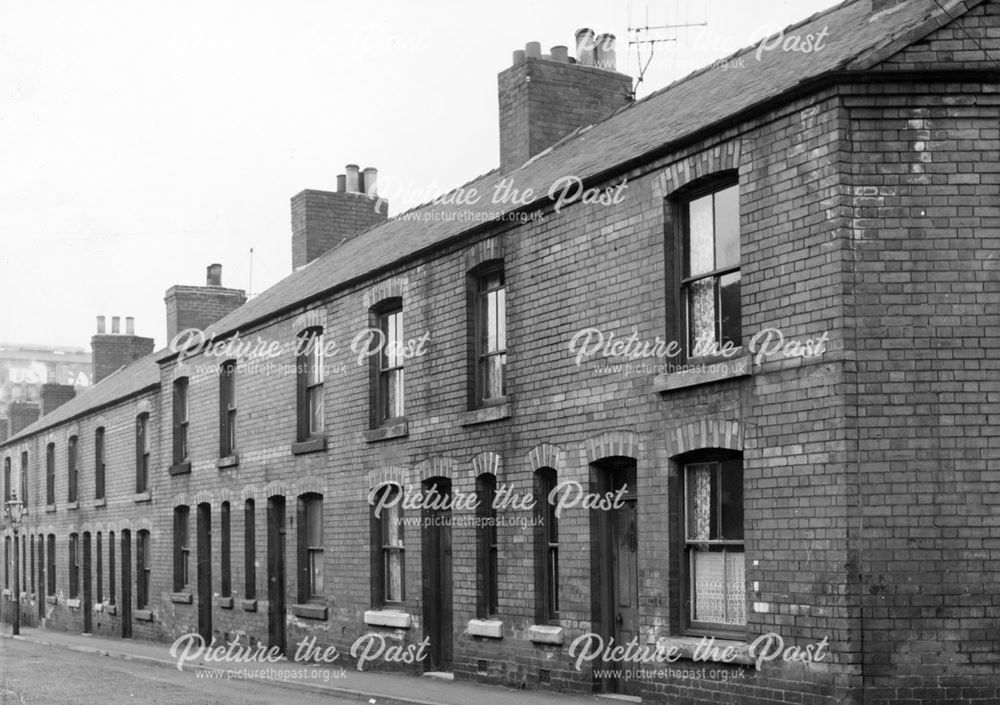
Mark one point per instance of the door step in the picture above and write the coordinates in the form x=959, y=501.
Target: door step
x=621, y=698
x=440, y=675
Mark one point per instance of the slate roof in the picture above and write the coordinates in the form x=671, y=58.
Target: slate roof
x=685, y=107
x=855, y=40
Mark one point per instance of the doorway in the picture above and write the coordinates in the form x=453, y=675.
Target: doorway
x=615, y=558
x=126, y=584
x=276, y=572
x=436, y=560
x=204, y=529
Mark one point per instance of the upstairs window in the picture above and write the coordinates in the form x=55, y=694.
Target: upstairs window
x=713, y=526
x=72, y=470
x=6, y=480
x=99, y=455
x=50, y=474
x=389, y=381
x=710, y=277
x=24, y=478
x=142, y=452
x=310, y=376
x=180, y=420
x=227, y=409
x=491, y=336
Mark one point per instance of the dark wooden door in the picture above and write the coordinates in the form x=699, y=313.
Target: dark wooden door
x=437, y=588
x=204, y=529
x=625, y=578
x=276, y=572
x=42, y=590
x=88, y=594
x=126, y=584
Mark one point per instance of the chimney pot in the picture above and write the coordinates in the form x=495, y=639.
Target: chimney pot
x=100, y=325
x=518, y=56
x=585, y=46
x=341, y=183
x=371, y=181
x=605, y=52
x=115, y=325
x=213, y=276
x=533, y=50
x=353, y=177
x=129, y=325
x=560, y=53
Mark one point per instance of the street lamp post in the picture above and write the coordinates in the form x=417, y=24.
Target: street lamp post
x=15, y=508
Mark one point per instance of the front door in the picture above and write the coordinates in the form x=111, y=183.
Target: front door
x=618, y=548
x=42, y=590
x=204, y=529
x=276, y=572
x=126, y=584
x=436, y=558
x=88, y=596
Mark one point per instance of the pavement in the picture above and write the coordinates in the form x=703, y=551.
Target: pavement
x=343, y=681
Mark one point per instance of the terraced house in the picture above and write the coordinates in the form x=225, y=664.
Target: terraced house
x=744, y=332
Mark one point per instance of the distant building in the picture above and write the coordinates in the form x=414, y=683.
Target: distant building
x=25, y=368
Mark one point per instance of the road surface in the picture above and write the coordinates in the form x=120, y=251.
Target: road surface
x=41, y=675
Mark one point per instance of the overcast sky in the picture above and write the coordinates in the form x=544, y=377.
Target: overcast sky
x=142, y=141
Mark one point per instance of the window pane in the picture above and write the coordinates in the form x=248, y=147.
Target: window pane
x=490, y=323
x=727, y=228
x=700, y=238
x=316, y=410
x=709, y=586
x=316, y=572
x=700, y=488
x=731, y=499
x=736, y=597
x=393, y=577
x=701, y=315
x=394, y=393
x=729, y=304
x=314, y=521
x=501, y=298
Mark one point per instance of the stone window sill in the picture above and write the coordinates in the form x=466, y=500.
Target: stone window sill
x=713, y=370
x=388, y=618
x=225, y=603
x=738, y=652
x=181, y=598
x=545, y=634
x=180, y=468
x=310, y=611
x=111, y=609
x=72, y=505
x=6, y=592
x=49, y=508
x=102, y=502
x=398, y=429
x=249, y=605
x=143, y=615
x=313, y=445
x=51, y=599
x=142, y=497
x=227, y=461
x=73, y=602
x=489, y=628
x=486, y=414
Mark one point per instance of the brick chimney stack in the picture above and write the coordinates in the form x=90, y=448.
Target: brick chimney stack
x=55, y=395
x=323, y=220
x=200, y=306
x=114, y=350
x=544, y=97
x=21, y=414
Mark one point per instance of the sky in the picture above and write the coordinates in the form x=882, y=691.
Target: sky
x=142, y=141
